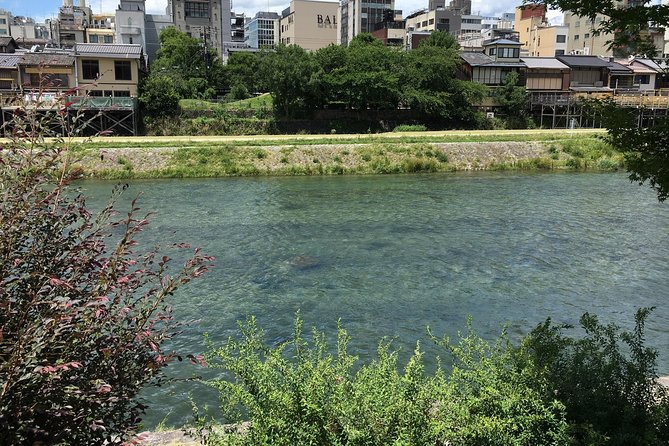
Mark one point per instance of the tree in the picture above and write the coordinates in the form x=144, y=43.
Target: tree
x=195, y=70
x=513, y=101
x=430, y=84
x=645, y=149
x=83, y=314
x=159, y=96
x=289, y=73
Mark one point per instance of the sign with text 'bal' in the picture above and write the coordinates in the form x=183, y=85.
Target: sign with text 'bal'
x=326, y=20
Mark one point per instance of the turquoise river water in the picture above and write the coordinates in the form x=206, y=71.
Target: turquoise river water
x=391, y=255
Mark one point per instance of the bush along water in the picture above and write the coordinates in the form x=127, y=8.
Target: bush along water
x=84, y=314
x=599, y=389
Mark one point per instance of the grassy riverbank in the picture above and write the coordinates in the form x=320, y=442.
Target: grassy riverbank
x=181, y=157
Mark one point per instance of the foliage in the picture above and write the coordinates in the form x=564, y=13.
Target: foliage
x=410, y=128
x=645, y=148
x=159, y=97
x=239, y=92
x=83, y=314
x=607, y=380
x=628, y=25
x=513, y=100
x=288, y=72
x=301, y=393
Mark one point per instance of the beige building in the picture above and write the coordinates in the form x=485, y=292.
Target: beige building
x=109, y=70
x=203, y=19
x=582, y=38
x=310, y=24
x=538, y=37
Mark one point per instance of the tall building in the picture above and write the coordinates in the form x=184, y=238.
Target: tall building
x=583, y=39
x=357, y=16
x=5, y=23
x=202, y=19
x=72, y=23
x=537, y=36
x=445, y=20
x=263, y=30
x=310, y=24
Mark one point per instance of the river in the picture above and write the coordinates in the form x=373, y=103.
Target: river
x=391, y=255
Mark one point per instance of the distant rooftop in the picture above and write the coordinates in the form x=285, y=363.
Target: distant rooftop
x=124, y=50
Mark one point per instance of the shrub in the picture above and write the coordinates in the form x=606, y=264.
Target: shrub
x=83, y=315
x=301, y=393
x=607, y=380
x=410, y=128
x=239, y=92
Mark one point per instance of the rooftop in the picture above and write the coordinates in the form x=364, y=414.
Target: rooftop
x=118, y=50
x=583, y=61
x=9, y=60
x=46, y=59
x=549, y=63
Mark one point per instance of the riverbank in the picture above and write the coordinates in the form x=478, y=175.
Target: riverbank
x=284, y=155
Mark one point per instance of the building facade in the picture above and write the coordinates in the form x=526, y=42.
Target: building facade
x=310, y=24
x=109, y=70
x=263, y=30
x=357, y=16
x=202, y=19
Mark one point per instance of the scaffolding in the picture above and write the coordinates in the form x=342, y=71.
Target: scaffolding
x=89, y=115
x=569, y=110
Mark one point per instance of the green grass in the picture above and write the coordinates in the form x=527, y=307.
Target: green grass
x=256, y=103
x=382, y=156
x=268, y=140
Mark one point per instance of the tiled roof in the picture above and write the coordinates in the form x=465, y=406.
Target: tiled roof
x=476, y=58
x=46, y=59
x=503, y=42
x=616, y=68
x=117, y=50
x=583, y=61
x=9, y=60
x=4, y=41
x=549, y=63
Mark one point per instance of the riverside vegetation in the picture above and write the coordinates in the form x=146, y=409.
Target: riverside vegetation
x=552, y=389
x=339, y=155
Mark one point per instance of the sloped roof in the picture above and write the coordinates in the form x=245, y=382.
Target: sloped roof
x=619, y=69
x=116, y=50
x=652, y=64
x=583, y=61
x=4, y=41
x=503, y=42
x=476, y=58
x=46, y=59
x=546, y=63
x=9, y=60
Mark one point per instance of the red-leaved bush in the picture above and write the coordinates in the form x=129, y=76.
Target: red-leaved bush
x=83, y=313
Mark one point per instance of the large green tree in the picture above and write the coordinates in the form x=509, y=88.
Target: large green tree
x=195, y=69
x=430, y=84
x=646, y=149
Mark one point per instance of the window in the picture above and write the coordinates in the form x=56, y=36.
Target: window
x=431, y=21
x=560, y=38
x=576, y=37
x=200, y=10
x=424, y=22
x=121, y=94
x=108, y=93
x=509, y=53
x=559, y=52
x=3, y=32
x=109, y=39
x=642, y=79
x=586, y=35
x=90, y=69
x=492, y=51
x=130, y=41
x=94, y=38
x=95, y=93
x=122, y=70
x=3, y=21
x=577, y=24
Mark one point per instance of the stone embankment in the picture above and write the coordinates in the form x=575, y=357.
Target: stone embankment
x=342, y=157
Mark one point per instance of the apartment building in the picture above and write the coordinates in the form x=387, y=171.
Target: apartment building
x=109, y=70
x=263, y=30
x=208, y=20
x=310, y=24
x=537, y=36
x=357, y=16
